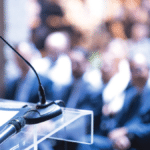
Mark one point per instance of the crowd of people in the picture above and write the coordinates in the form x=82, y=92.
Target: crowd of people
x=103, y=67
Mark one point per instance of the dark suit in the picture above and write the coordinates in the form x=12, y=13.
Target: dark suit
x=13, y=85
x=139, y=128
x=84, y=98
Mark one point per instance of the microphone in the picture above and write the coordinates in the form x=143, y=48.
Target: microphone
x=39, y=113
x=32, y=116
x=13, y=127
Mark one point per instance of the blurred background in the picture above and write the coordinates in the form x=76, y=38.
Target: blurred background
x=68, y=39
x=91, y=25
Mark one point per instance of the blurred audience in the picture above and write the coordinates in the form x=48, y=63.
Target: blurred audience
x=130, y=126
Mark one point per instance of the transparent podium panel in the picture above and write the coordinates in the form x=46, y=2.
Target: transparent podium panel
x=72, y=125
x=20, y=141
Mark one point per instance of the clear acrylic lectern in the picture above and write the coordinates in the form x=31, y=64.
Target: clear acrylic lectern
x=72, y=125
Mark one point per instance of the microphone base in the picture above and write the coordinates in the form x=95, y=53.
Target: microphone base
x=42, y=113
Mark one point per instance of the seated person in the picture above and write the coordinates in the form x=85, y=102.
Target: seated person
x=55, y=63
x=136, y=133
x=78, y=94
x=130, y=127
x=112, y=89
x=25, y=86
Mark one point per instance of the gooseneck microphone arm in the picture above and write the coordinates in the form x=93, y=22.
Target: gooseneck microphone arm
x=37, y=114
x=41, y=90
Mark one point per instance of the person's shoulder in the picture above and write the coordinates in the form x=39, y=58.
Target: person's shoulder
x=45, y=79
